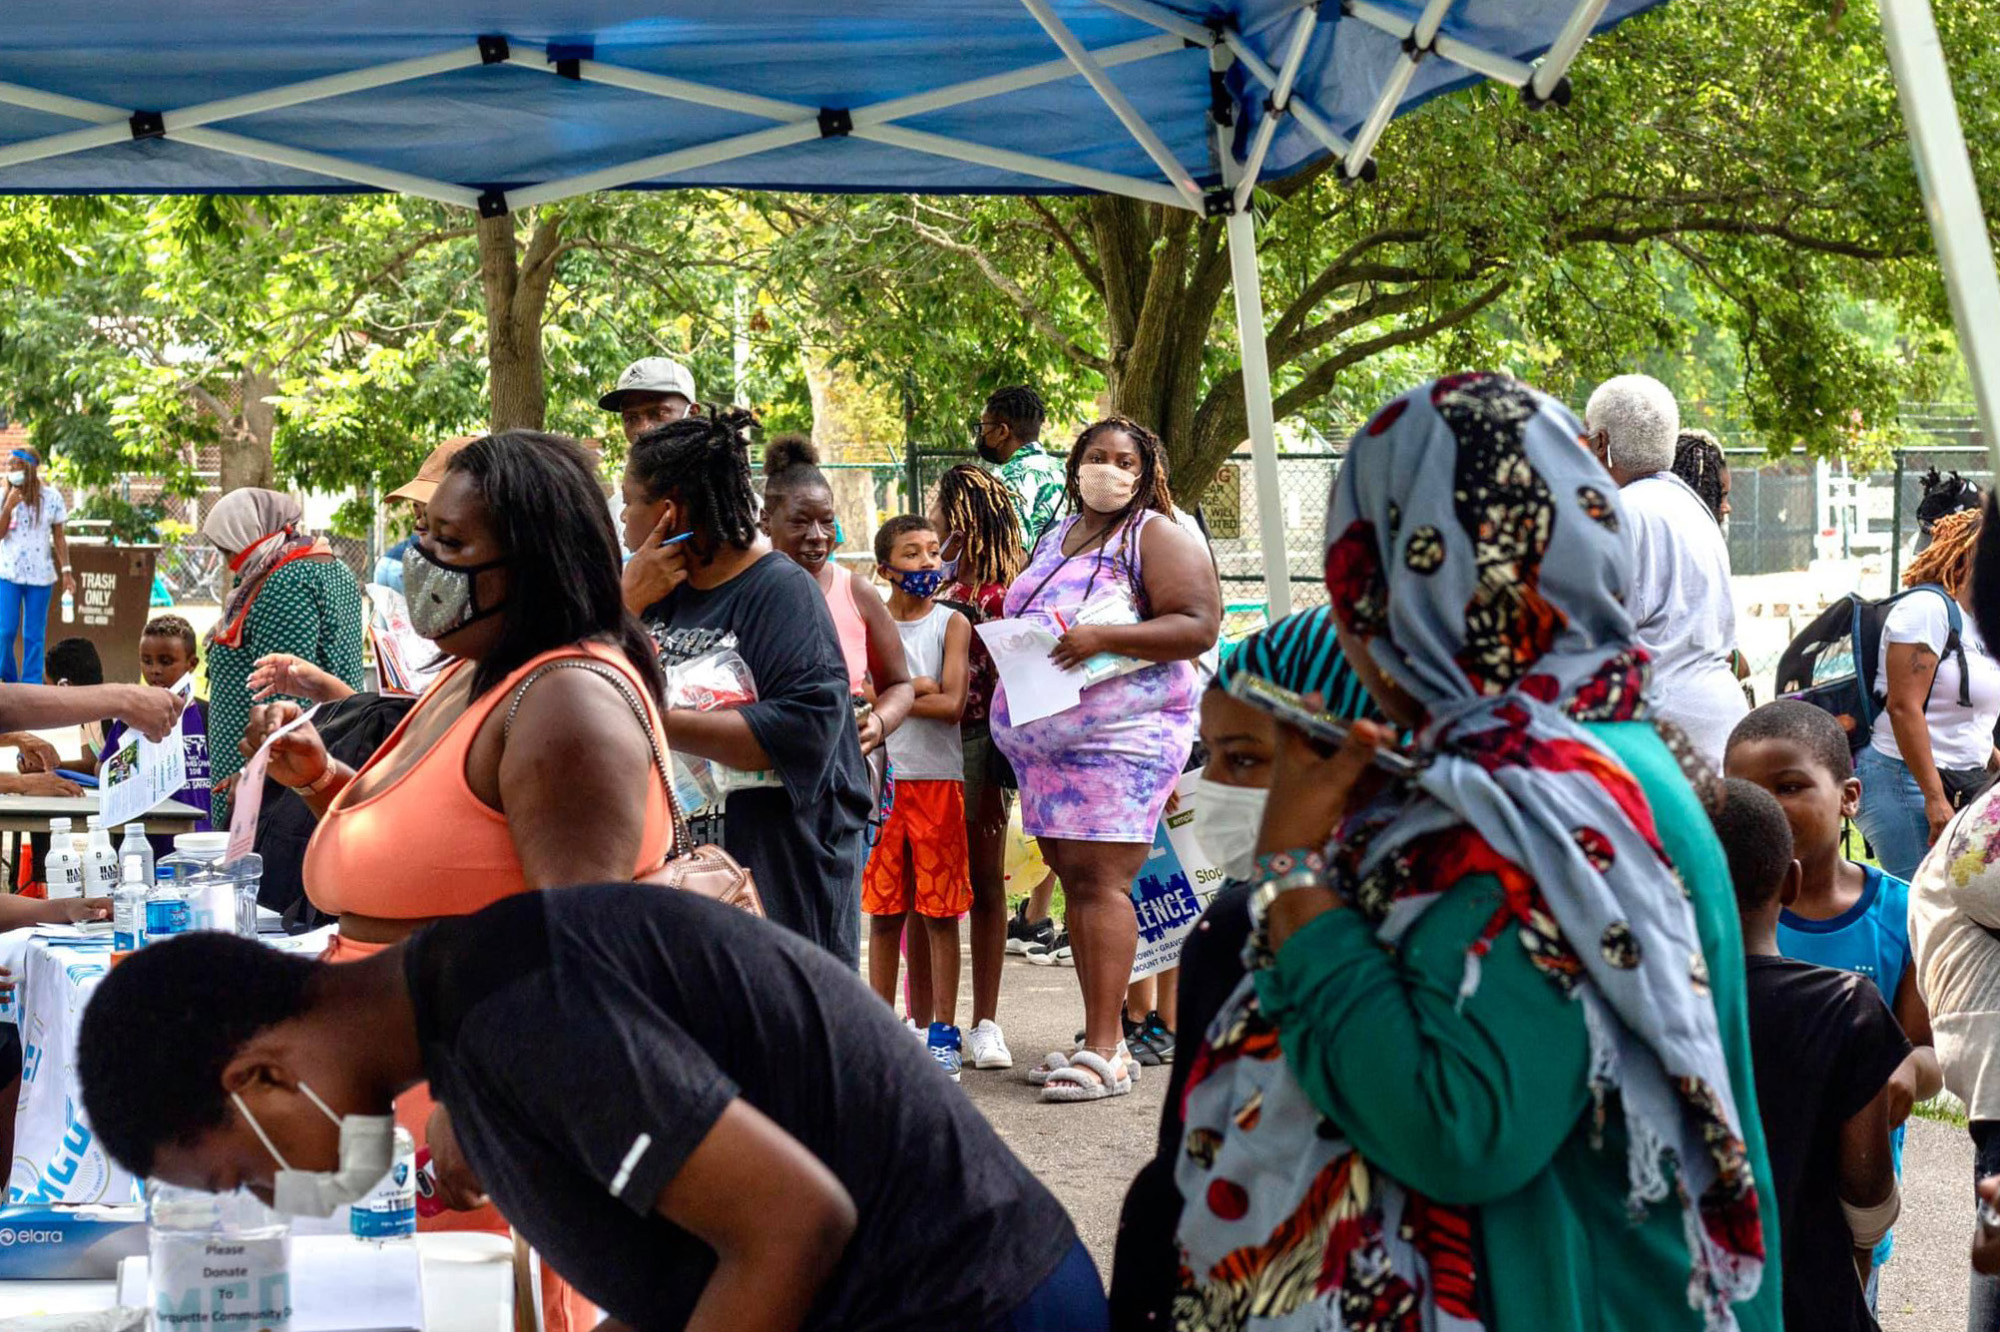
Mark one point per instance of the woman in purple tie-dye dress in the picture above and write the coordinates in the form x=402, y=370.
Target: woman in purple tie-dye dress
x=1095, y=778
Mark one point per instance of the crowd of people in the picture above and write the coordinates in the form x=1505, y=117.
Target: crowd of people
x=1560, y=994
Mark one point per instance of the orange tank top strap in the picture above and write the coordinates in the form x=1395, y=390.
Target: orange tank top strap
x=425, y=845
x=847, y=622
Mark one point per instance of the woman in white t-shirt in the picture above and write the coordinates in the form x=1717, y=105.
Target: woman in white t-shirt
x=1933, y=744
x=33, y=550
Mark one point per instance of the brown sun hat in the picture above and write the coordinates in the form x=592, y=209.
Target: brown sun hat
x=425, y=484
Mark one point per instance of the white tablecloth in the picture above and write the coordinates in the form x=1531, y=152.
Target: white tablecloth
x=468, y=1287
x=56, y=1157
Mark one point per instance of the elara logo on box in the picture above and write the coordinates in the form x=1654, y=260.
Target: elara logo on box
x=10, y=1237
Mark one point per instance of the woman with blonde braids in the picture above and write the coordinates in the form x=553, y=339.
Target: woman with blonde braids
x=974, y=516
x=1933, y=743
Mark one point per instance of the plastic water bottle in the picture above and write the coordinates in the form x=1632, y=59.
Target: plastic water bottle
x=389, y=1212
x=216, y=1260
x=166, y=911
x=128, y=910
x=135, y=844
x=65, y=868
x=100, y=862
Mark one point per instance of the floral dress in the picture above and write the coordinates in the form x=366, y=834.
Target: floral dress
x=1101, y=771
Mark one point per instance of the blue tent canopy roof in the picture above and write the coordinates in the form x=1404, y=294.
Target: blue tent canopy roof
x=497, y=118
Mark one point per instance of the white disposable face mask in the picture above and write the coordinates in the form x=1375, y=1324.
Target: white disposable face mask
x=367, y=1151
x=17, y=478
x=1226, y=822
x=1105, y=488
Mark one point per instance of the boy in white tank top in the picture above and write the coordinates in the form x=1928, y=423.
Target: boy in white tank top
x=918, y=872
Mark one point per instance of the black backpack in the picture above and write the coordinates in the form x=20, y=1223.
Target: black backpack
x=1833, y=662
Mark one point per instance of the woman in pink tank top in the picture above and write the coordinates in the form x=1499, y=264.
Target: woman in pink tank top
x=799, y=519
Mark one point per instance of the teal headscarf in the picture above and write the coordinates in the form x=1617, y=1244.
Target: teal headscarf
x=1301, y=653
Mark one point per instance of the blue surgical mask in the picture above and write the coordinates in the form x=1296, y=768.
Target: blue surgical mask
x=920, y=583
x=839, y=537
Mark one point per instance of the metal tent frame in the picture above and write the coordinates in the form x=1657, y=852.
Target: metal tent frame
x=1232, y=52
x=793, y=123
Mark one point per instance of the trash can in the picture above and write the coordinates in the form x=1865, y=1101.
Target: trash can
x=114, y=592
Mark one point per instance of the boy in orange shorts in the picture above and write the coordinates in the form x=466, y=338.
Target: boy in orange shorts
x=919, y=869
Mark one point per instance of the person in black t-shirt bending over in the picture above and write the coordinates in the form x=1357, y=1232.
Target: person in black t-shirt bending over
x=1825, y=1046
x=701, y=1121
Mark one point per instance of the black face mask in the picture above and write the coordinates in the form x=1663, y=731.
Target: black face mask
x=988, y=452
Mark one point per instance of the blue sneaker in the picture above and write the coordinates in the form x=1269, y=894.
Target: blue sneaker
x=947, y=1048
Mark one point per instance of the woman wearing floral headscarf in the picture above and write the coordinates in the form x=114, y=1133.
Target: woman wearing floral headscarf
x=288, y=594
x=1477, y=1077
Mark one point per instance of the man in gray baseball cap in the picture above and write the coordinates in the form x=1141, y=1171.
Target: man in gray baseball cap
x=651, y=393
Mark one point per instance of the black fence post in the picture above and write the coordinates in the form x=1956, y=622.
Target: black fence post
x=913, y=479
x=1896, y=528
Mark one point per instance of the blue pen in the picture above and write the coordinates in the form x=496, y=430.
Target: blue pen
x=675, y=541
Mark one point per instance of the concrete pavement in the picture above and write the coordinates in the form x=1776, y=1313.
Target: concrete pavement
x=1087, y=1154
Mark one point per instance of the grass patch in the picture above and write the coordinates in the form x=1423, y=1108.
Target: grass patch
x=1944, y=1108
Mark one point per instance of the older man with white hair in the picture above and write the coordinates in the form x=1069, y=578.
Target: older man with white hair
x=1680, y=601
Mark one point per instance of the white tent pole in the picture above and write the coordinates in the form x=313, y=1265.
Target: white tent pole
x=1391, y=97
x=1248, y=287
x=1315, y=124
x=999, y=85
x=1556, y=62
x=1161, y=17
x=1480, y=61
x=1024, y=163
x=381, y=178
x=1279, y=103
x=1944, y=171
x=530, y=56
x=316, y=90
x=1240, y=231
x=665, y=164
x=114, y=127
x=1135, y=124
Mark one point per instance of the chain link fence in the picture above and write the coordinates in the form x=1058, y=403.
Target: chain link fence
x=1802, y=531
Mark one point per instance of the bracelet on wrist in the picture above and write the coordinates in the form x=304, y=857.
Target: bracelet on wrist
x=1277, y=864
x=319, y=783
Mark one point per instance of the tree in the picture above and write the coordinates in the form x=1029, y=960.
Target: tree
x=331, y=342
x=1736, y=173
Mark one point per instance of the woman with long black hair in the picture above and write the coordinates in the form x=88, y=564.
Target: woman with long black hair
x=1095, y=778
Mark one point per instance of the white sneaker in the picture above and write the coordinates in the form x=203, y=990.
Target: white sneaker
x=910, y=1025
x=985, y=1047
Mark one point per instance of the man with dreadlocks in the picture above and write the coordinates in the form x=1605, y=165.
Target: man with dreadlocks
x=1933, y=743
x=704, y=579
x=1095, y=778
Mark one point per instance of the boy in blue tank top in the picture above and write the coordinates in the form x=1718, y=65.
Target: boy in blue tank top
x=1849, y=916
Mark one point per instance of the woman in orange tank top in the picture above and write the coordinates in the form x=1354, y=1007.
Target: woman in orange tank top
x=474, y=798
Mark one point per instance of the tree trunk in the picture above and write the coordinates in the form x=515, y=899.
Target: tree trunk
x=246, y=436
x=517, y=294
x=1165, y=273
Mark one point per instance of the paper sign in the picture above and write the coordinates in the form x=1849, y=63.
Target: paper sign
x=1176, y=885
x=249, y=800
x=1036, y=686
x=140, y=775
x=407, y=661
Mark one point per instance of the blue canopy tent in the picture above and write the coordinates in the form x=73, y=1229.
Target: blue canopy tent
x=498, y=105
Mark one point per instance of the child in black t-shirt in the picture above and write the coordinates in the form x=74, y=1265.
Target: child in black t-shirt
x=1824, y=1046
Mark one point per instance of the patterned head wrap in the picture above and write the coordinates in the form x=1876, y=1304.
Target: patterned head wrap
x=1475, y=548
